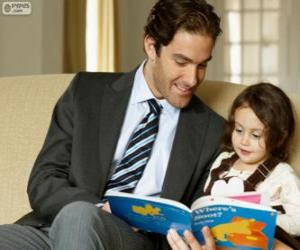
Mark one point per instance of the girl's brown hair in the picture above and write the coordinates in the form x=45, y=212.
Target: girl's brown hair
x=274, y=109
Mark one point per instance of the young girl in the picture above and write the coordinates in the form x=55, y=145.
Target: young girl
x=259, y=129
x=260, y=126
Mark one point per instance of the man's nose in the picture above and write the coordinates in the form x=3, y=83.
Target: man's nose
x=192, y=76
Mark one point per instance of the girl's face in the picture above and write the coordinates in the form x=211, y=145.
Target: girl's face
x=248, y=137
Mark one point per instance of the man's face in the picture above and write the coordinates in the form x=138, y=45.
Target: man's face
x=180, y=67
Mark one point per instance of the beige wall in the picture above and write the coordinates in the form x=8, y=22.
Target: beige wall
x=32, y=44
x=132, y=16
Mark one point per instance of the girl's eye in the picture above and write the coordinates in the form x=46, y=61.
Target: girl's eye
x=238, y=130
x=256, y=136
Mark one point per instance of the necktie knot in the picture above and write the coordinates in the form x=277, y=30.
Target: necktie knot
x=154, y=106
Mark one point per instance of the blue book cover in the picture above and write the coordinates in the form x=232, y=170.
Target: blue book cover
x=233, y=223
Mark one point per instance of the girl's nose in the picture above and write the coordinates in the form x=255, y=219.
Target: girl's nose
x=245, y=139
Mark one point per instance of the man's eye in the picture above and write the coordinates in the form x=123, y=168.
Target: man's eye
x=180, y=63
x=202, y=66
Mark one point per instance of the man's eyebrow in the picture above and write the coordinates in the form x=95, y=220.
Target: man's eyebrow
x=187, y=59
x=180, y=56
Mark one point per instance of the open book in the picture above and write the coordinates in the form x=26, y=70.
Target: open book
x=233, y=223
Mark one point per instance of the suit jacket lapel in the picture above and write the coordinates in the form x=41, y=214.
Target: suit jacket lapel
x=185, y=151
x=113, y=109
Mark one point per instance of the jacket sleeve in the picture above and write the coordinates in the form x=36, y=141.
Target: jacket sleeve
x=49, y=188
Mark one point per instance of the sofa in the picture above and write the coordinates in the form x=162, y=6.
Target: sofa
x=26, y=104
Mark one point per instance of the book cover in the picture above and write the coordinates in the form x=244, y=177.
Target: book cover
x=233, y=223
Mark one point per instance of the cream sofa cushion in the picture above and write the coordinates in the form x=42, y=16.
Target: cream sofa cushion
x=26, y=104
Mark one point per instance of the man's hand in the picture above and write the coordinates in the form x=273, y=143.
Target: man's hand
x=106, y=207
x=190, y=242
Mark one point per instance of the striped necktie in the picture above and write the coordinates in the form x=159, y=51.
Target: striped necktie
x=130, y=169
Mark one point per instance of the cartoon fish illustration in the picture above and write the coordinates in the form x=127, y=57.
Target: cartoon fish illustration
x=147, y=210
x=242, y=232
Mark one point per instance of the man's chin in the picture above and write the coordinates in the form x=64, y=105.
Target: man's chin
x=180, y=102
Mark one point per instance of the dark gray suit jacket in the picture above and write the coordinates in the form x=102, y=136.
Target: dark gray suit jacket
x=75, y=161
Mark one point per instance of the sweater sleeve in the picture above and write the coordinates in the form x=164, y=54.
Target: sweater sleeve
x=283, y=186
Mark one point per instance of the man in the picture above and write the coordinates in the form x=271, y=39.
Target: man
x=91, y=142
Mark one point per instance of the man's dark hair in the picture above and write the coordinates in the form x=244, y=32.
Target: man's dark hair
x=169, y=16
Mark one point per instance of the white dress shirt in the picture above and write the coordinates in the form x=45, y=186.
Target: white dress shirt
x=155, y=170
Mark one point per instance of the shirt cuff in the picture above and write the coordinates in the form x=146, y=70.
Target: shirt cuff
x=99, y=204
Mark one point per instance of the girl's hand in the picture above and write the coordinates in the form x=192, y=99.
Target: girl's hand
x=189, y=241
x=278, y=245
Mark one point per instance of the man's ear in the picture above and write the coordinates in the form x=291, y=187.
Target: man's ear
x=149, y=46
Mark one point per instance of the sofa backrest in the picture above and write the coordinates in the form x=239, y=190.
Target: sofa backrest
x=26, y=104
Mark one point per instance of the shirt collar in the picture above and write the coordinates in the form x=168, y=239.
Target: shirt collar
x=141, y=92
